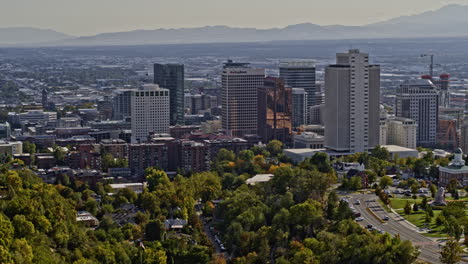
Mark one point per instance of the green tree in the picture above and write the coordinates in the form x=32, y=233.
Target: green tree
x=275, y=147
x=385, y=181
x=451, y=252
x=23, y=227
x=154, y=230
x=22, y=251
x=407, y=208
x=332, y=203
x=322, y=162
x=381, y=153
x=155, y=177
x=6, y=231
x=29, y=147
x=433, y=189
x=152, y=256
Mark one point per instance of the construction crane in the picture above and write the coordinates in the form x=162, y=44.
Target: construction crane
x=431, y=66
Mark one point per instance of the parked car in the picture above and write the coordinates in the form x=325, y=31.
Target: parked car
x=385, y=218
x=357, y=202
x=358, y=219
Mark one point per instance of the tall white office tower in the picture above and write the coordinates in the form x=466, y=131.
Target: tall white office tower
x=239, y=98
x=149, y=111
x=418, y=100
x=352, y=103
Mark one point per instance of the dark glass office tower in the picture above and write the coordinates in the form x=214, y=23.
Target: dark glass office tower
x=301, y=74
x=171, y=77
x=274, y=110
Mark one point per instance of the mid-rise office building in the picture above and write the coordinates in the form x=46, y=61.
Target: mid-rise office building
x=171, y=77
x=32, y=116
x=5, y=130
x=352, y=103
x=145, y=155
x=193, y=156
x=274, y=110
x=301, y=74
x=198, y=103
x=464, y=138
x=447, y=136
x=122, y=104
x=308, y=140
x=316, y=114
x=239, y=98
x=398, y=131
x=150, y=112
x=418, y=100
x=11, y=148
x=299, y=107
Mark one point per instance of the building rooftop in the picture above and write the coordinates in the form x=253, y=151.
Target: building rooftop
x=297, y=64
x=259, y=178
x=395, y=148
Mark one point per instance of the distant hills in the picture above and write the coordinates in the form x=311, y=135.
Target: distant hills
x=449, y=21
x=26, y=35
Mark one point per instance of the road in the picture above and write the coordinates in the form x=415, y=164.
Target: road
x=429, y=248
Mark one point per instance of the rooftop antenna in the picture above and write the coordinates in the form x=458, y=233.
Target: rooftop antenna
x=431, y=66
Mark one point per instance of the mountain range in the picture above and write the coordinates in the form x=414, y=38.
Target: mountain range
x=448, y=21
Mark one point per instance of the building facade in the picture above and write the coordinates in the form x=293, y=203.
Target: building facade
x=418, y=100
x=402, y=132
x=308, y=140
x=171, y=77
x=239, y=98
x=456, y=170
x=464, y=138
x=299, y=107
x=274, y=110
x=301, y=74
x=5, y=131
x=150, y=112
x=122, y=104
x=447, y=135
x=352, y=103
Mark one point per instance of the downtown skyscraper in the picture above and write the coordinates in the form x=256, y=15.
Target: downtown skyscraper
x=149, y=112
x=274, y=110
x=301, y=74
x=418, y=100
x=239, y=98
x=352, y=103
x=171, y=77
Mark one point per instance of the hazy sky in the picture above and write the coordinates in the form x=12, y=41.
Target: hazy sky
x=88, y=17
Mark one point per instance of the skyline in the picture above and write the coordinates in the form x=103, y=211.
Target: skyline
x=89, y=17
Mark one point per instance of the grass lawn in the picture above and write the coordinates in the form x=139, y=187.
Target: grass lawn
x=399, y=203
x=418, y=218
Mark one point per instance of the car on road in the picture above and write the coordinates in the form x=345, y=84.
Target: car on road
x=385, y=218
x=357, y=202
x=358, y=219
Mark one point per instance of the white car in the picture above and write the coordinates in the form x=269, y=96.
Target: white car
x=358, y=219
